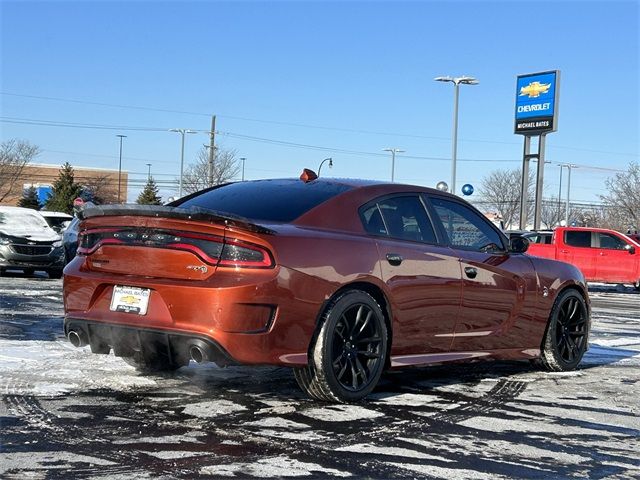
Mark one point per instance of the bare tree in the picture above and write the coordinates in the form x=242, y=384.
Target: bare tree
x=500, y=191
x=196, y=175
x=623, y=198
x=99, y=188
x=14, y=155
x=552, y=212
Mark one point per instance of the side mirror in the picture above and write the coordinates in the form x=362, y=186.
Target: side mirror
x=630, y=248
x=518, y=244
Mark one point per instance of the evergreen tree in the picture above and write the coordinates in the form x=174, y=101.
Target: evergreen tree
x=30, y=199
x=65, y=191
x=149, y=196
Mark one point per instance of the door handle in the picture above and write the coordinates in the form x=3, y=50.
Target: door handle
x=564, y=251
x=470, y=272
x=394, y=259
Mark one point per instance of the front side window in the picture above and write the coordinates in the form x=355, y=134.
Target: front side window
x=402, y=217
x=611, y=242
x=465, y=228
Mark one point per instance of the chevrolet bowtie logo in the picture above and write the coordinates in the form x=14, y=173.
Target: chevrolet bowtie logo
x=130, y=300
x=534, y=89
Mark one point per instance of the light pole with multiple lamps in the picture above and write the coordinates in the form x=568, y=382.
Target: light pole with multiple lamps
x=454, y=140
x=243, y=159
x=330, y=160
x=120, y=166
x=393, y=160
x=182, y=132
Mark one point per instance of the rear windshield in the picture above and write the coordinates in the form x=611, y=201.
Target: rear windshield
x=265, y=200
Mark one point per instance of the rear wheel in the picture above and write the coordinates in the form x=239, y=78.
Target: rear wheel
x=565, y=340
x=349, y=353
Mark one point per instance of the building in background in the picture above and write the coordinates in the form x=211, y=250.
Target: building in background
x=101, y=181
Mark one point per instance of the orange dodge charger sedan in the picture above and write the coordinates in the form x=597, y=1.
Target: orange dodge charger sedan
x=337, y=279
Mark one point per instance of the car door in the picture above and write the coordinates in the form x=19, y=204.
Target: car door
x=423, y=277
x=498, y=287
x=577, y=249
x=613, y=260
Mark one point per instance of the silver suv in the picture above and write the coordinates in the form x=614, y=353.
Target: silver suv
x=28, y=243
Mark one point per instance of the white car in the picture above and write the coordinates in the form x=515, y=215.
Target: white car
x=28, y=243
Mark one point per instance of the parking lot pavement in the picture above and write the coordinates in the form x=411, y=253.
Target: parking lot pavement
x=68, y=413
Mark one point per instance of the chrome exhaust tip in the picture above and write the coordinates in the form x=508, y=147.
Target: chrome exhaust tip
x=76, y=339
x=197, y=354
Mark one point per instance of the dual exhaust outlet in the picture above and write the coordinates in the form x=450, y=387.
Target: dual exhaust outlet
x=197, y=352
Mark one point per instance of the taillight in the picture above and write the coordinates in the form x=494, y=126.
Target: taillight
x=211, y=249
x=239, y=254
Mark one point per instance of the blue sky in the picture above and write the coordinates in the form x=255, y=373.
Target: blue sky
x=345, y=76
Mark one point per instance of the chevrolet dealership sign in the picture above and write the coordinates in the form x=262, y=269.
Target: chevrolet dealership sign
x=537, y=103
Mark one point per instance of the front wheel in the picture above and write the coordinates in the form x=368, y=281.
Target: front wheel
x=350, y=350
x=565, y=340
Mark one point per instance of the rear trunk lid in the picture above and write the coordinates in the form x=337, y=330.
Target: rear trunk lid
x=169, y=242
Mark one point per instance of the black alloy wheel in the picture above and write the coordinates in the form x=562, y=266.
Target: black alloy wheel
x=350, y=350
x=355, y=348
x=567, y=333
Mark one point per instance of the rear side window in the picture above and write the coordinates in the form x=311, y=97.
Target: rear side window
x=402, y=217
x=577, y=238
x=266, y=200
x=465, y=228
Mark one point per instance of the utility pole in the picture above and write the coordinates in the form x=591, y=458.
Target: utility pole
x=212, y=150
x=148, y=172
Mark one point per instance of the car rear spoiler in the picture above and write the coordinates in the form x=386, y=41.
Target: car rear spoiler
x=190, y=213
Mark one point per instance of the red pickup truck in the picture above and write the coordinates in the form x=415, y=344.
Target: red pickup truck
x=602, y=255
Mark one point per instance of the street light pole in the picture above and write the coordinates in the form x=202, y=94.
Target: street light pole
x=182, y=132
x=454, y=137
x=560, y=193
x=569, y=167
x=393, y=160
x=243, y=159
x=120, y=166
x=148, y=172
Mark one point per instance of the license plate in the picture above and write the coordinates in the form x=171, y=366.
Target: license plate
x=130, y=299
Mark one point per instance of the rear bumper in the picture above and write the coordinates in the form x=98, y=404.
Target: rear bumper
x=172, y=347
x=264, y=317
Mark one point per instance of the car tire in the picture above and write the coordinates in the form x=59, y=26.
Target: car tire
x=349, y=352
x=636, y=286
x=151, y=365
x=567, y=334
x=55, y=273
